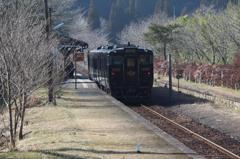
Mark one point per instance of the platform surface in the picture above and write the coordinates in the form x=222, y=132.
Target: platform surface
x=89, y=124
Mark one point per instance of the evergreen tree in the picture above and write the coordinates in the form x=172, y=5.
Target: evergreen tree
x=203, y=2
x=93, y=17
x=163, y=6
x=158, y=7
x=162, y=35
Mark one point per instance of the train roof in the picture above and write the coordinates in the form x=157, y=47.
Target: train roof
x=120, y=48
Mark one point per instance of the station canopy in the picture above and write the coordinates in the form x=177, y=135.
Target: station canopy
x=68, y=44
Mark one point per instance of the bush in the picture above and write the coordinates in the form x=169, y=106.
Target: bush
x=215, y=75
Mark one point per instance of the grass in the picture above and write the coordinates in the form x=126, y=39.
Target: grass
x=21, y=155
x=37, y=155
x=51, y=128
x=41, y=93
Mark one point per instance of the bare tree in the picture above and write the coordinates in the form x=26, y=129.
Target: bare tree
x=24, y=59
x=134, y=34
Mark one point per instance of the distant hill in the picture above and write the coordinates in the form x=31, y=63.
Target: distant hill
x=119, y=13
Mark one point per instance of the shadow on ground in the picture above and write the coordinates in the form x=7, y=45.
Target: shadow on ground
x=160, y=96
x=59, y=153
x=82, y=100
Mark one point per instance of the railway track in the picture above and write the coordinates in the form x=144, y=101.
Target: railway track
x=194, y=140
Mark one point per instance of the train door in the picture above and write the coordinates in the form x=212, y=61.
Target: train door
x=145, y=70
x=99, y=68
x=131, y=73
x=94, y=68
x=116, y=70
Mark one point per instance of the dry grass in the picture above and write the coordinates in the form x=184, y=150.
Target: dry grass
x=21, y=155
x=202, y=86
x=81, y=128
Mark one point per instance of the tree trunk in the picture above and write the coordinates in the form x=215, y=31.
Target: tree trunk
x=214, y=59
x=12, y=139
x=224, y=60
x=24, y=98
x=50, y=82
x=165, y=51
x=16, y=118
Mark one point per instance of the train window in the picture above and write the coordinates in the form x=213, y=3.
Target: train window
x=130, y=62
x=117, y=60
x=143, y=59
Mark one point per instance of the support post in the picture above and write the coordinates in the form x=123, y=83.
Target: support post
x=75, y=72
x=178, y=85
x=50, y=19
x=170, y=77
x=48, y=24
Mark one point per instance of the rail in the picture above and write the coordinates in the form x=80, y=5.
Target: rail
x=208, y=142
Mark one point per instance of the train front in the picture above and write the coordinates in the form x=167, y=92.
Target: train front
x=131, y=73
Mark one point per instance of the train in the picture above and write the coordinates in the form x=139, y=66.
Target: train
x=124, y=71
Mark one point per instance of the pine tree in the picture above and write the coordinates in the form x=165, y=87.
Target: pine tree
x=203, y=2
x=93, y=17
x=163, y=6
x=158, y=34
x=167, y=7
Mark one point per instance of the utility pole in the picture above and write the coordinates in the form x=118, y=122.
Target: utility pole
x=16, y=4
x=50, y=72
x=46, y=17
x=50, y=19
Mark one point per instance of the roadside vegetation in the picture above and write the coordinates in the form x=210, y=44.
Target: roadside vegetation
x=204, y=45
x=206, y=36
x=24, y=58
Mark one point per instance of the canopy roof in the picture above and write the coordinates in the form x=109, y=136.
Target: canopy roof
x=66, y=41
x=67, y=45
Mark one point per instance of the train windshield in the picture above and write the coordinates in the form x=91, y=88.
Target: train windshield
x=117, y=60
x=130, y=62
x=144, y=60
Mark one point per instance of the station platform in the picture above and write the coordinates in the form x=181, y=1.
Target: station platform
x=97, y=126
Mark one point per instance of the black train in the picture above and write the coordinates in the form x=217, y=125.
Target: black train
x=125, y=71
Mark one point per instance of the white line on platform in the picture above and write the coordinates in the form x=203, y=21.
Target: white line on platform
x=85, y=85
x=79, y=81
